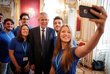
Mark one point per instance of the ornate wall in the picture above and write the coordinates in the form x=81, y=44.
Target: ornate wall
x=10, y=9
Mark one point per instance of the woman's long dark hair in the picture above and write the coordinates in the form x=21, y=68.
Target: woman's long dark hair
x=19, y=35
x=67, y=58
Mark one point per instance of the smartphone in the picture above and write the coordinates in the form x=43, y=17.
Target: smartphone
x=84, y=11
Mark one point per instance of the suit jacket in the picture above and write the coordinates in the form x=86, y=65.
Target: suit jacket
x=37, y=55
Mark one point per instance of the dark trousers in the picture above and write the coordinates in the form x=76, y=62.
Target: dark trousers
x=39, y=70
x=43, y=68
x=22, y=68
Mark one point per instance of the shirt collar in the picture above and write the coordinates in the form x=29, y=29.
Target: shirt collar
x=42, y=29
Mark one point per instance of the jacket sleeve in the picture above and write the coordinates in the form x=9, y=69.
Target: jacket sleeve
x=31, y=49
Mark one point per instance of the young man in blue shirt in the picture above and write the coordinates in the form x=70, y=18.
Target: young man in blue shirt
x=24, y=19
x=5, y=37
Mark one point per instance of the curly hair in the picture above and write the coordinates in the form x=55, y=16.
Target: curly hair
x=19, y=35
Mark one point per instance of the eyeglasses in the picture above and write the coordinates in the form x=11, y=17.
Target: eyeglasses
x=1, y=16
x=25, y=19
x=9, y=24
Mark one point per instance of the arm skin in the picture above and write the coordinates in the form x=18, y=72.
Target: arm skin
x=52, y=70
x=11, y=54
x=92, y=42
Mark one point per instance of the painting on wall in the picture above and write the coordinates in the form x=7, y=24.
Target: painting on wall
x=32, y=7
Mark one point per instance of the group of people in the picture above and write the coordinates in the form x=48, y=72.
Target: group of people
x=13, y=45
x=42, y=49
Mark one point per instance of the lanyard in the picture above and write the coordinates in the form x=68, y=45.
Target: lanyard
x=58, y=59
x=24, y=46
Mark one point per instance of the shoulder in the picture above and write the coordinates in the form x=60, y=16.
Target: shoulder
x=17, y=27
x=2, y=33
x=14, y=39
x=73, y=52
x=73, y=48
x=30, y=27
x=50, y=30
x=13, y=42
x=35, y=28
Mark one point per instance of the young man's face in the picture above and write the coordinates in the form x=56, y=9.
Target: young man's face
x=8, y=26
x=57, y=24
x=25, y=20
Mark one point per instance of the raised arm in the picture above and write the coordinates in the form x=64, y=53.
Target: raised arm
x=92, y=42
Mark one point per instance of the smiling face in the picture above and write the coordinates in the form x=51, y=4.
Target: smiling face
x=25, y=31
x=43, y=20
x=25, y=19
x=65, y=34
x=8, y=26
x=57, y=24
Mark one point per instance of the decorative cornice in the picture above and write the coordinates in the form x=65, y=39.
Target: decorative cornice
x=72, y=3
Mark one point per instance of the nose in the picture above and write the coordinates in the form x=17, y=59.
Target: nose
x=58, y=23
x=66, y=33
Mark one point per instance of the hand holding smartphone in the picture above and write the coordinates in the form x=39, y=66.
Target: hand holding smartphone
x=84, y=11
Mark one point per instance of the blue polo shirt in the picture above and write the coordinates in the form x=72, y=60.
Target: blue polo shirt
x=21, y=49
x=57, y=66
x=5, y=38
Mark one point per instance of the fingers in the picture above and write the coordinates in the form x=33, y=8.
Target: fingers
x=26, y=68
x=101, y=9
x=96, y=13
x=101, y=14
x=97, y=21
x=33, y=67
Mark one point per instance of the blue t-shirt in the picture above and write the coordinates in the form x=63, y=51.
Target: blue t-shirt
x=21, y=49
x=5, y=38
x=57, y=66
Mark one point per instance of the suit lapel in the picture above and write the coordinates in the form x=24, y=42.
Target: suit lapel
x=47, y=34
x=39, y=37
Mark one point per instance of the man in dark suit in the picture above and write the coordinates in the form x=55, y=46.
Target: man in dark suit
x=41, y=45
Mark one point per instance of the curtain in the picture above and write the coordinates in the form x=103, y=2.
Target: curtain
x=104, y=43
